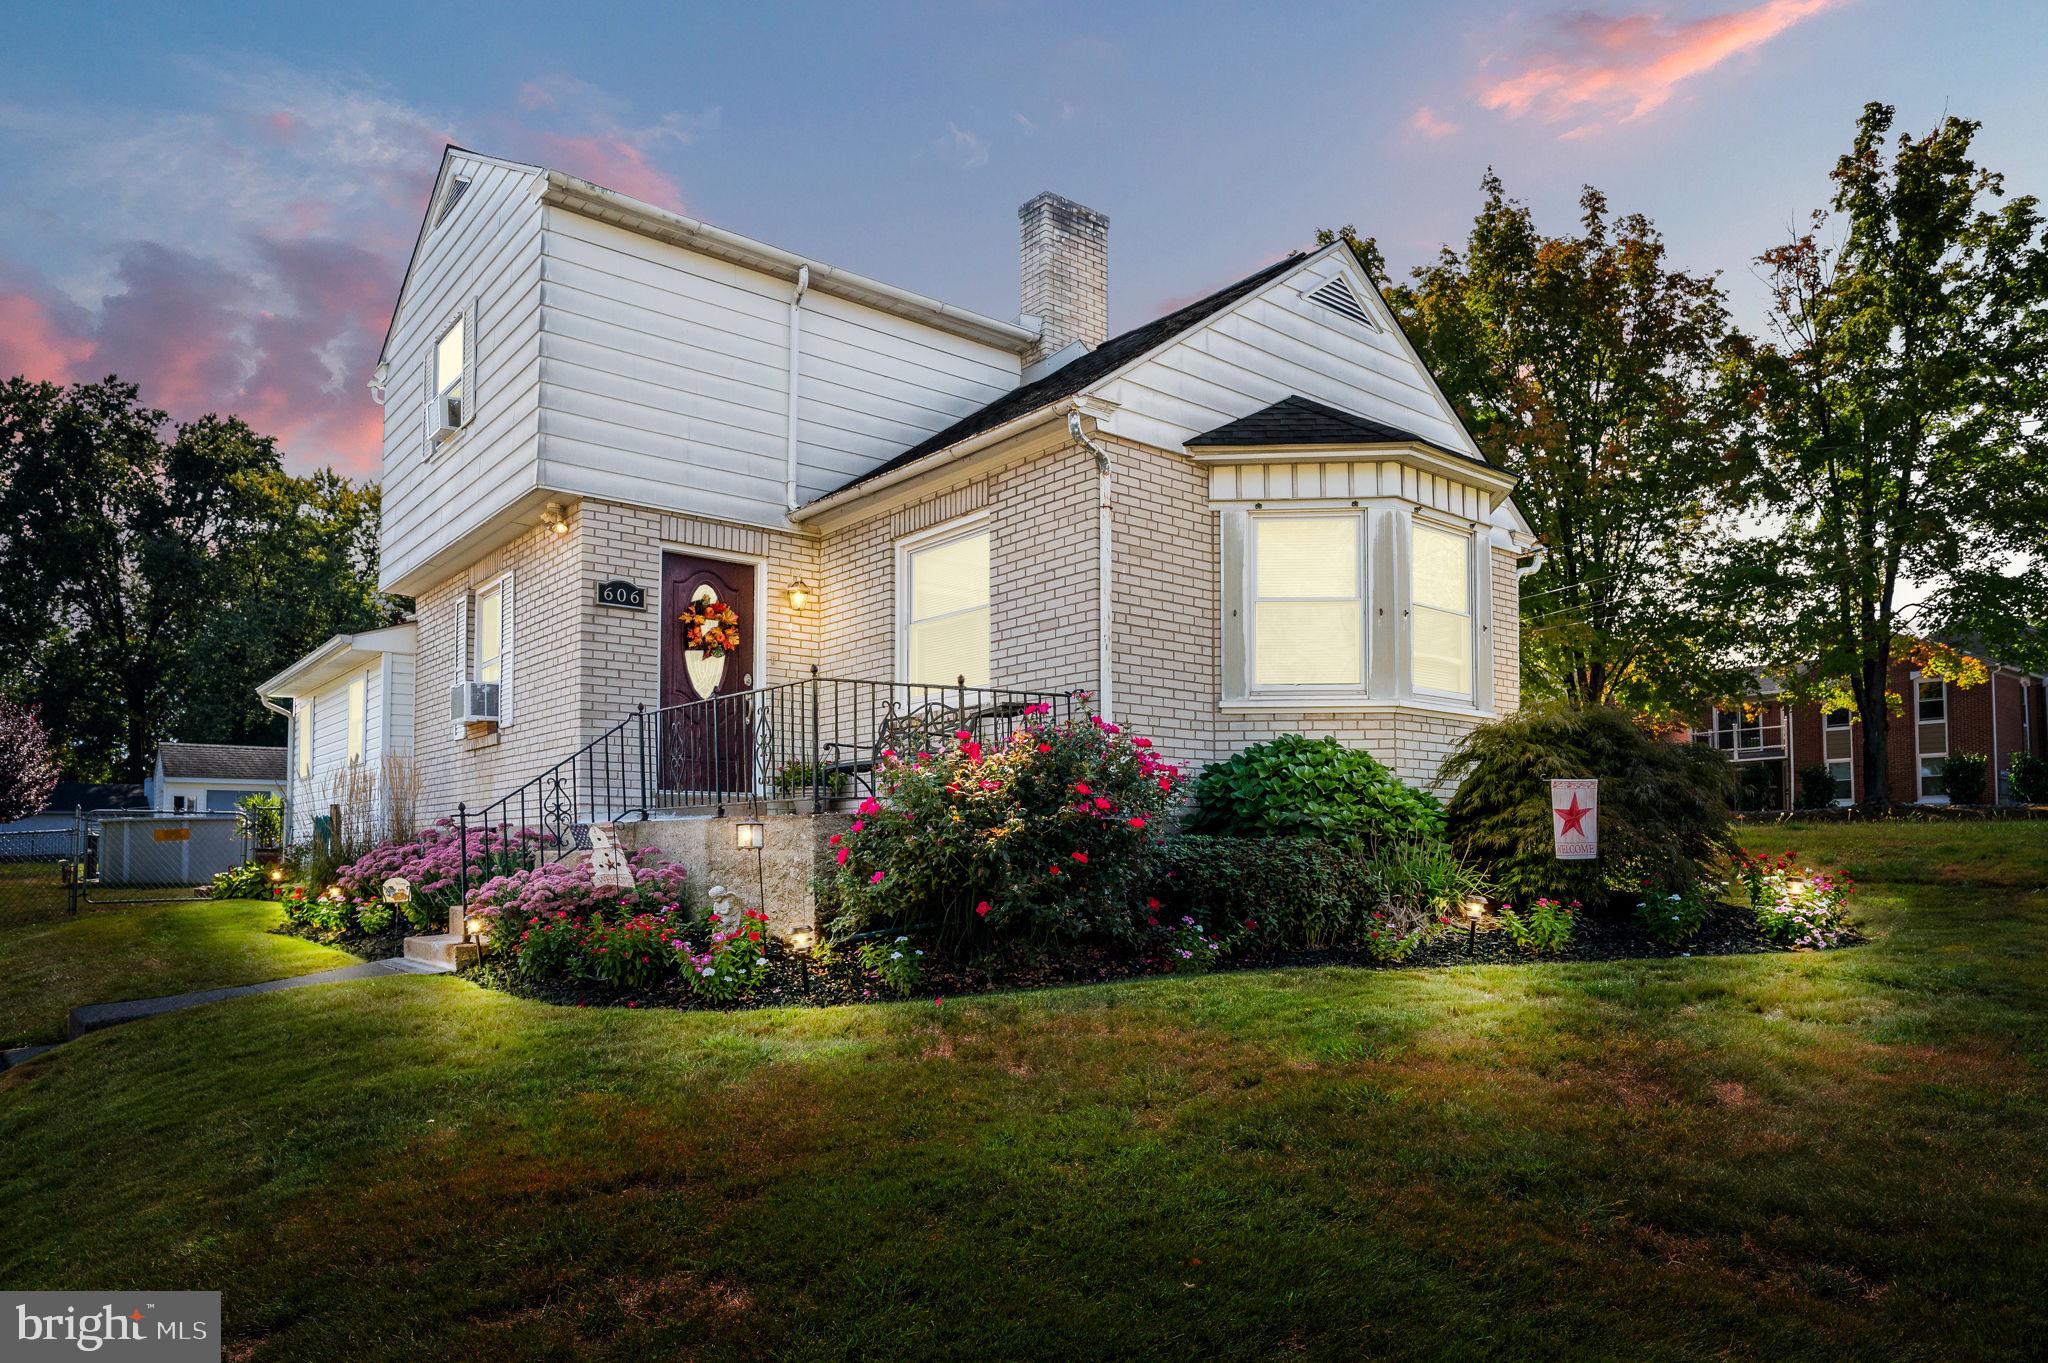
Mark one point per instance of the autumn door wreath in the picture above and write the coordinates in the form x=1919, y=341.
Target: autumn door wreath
x=711, y=627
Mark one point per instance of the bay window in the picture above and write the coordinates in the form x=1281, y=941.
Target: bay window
x=1308, y=608
x=943, y=627
x=1440, y=609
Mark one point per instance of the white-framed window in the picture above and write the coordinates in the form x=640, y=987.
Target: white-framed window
x=448, y=370
x=1930, y=710
x=942, y=590
x=1440, y=609
x=487, y=663
x=358, y=716
x=1838, y=748
x=304, y=725
x=1307, y=601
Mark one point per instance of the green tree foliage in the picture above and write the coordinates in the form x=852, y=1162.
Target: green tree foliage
x=150, y=575
x=1901, y=421
x=1663, y=811
x=1592, y=369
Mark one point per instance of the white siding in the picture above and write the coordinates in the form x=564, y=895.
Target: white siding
x=487, y=253
x=399, y=697
x=664, y=378
x=1271, y=346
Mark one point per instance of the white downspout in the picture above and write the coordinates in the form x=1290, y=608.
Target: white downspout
x=1105, y=562
x=1537, y=557
x=291, y=749
x=796, y=350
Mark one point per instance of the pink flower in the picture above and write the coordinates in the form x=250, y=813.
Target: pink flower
x=871, y=805
x=981, y=909
x=1101, y=803
x=858, y=824
x=961, y=735
x=876, y=878
x=1135, y=823
x=1141, y=742
x=839, y=856
x=832, y=841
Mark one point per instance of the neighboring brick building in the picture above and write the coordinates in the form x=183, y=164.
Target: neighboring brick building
x=2003, y=716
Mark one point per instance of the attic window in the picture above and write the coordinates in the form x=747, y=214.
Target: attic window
x=450, y=199
x=1338, y=298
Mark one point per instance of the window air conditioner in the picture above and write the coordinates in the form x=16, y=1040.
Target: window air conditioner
x=473, y=702
x=448, y=413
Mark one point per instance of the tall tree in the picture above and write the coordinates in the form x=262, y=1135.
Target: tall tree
x=1595, y=371
x=26, y=771
x=1900, y=408
x=134, y=555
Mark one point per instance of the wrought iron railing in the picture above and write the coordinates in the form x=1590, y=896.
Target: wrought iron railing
x=803, y=744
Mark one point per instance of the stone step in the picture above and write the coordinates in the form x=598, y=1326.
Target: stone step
x=440, y=948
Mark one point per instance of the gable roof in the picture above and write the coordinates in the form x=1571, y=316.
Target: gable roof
x=1298, y=421
x=220, y=762
x=66, y=796
x=1080, y=373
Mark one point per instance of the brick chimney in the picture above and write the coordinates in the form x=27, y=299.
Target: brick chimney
x=1065, y=259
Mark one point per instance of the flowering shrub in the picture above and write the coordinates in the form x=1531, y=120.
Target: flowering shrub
x=1049, y=836
x=898, y=965
x=1545, y=930
x=734, y=963
x=1189, y=949
x=1808, y=910
x=551, y=922
x=1672, y=917
x=373, y=916
x=433, y=861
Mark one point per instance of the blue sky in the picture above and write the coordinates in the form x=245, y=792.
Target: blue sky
x=216, y=200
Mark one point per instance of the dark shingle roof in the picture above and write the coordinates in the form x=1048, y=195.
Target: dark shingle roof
x=66, y=796
x=1303, y=421
x=221, y=762
x=1079, y=373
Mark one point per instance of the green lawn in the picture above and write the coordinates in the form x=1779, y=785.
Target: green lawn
x=51, y=962
x=1835, y=1156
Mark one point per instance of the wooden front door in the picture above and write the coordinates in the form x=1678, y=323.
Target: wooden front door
x=705, y=748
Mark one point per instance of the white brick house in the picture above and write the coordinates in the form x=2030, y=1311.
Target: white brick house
x=1253, y=516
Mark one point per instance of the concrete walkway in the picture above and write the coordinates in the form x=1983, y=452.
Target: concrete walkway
x=93, y=1016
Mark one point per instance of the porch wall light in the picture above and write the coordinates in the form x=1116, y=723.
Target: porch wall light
x=554, y=518
x=802, y=595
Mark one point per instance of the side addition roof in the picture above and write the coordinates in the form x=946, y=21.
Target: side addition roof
x=220, y=762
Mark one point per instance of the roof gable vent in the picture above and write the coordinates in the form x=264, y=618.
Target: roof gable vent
x=449, y=200
x=1338, y=298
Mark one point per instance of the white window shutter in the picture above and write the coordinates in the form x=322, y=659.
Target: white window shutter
x=462, y=608
x=505, y=617
x=469, y=384
x=1235, y=535
x=427, y=422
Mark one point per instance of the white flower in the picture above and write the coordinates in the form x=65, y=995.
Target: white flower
x=707, y=972
x=760, y=960
x=902, y=939
x=896, y=955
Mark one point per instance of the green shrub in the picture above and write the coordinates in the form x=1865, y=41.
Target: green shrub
x=1293, y=787
x=1544, y=930
x=1663, y=805
x=795, y=779
x=2029, y=777
x=374, y=916
x=1283, y=892
x=247, y=881
x=1672, y=917
x=1816, y=786
x=1752, y=786
x=896, y=963
x=1962, y=777
x=1048, y=838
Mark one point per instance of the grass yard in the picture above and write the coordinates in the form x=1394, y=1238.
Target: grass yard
x=51, y=962
x=1779, y=1157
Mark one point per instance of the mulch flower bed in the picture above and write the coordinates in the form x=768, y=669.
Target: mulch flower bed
x=371, y=947
x=1728, y=931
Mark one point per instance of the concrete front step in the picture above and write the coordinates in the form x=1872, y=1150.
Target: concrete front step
x=445, y=949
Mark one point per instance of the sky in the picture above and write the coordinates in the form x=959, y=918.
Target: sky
x=217, y=201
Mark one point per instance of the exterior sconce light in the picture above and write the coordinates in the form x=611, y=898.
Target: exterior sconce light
x=553, y=517
x=1474, y=907
x=802, y=595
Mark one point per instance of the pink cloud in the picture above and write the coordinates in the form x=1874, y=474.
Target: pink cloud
x=611, y=160
x=38, y=344
x=1425, y=122
x=1601, y=69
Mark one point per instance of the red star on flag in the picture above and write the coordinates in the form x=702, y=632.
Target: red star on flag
x=1574, y=816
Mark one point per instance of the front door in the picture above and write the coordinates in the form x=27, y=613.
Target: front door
x=705, y=742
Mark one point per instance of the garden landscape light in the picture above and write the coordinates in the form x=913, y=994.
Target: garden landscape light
x=749, y=835
x=800, y=942
x=1474, y=907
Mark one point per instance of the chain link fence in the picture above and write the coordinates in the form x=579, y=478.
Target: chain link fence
x=114, y=858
